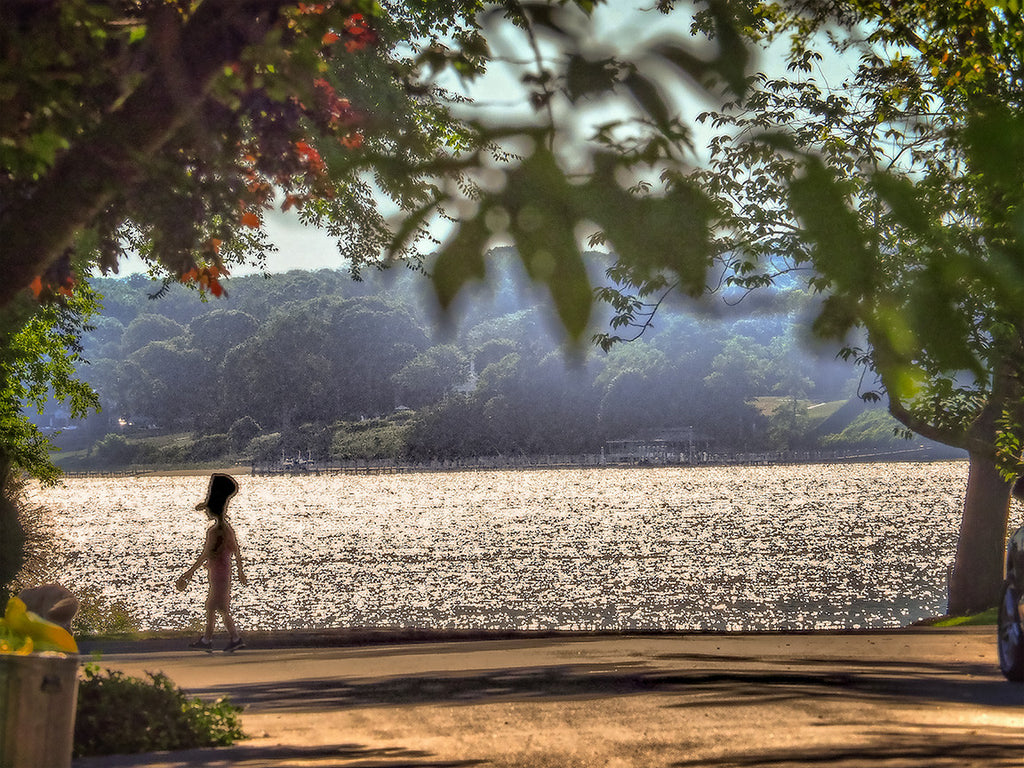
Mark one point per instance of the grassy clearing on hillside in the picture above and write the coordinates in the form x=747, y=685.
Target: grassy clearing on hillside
x=817, y=412
x=379, y=439
x=372, y=439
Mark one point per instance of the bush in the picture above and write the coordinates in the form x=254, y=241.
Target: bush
x=113, y=451
x=364, y=426
x=118, y=714
x=242, y=432
x=99, y=616
x=173, y=454
x=400, y=417
x=266, y=448
x=209, y=447
x=382, y=440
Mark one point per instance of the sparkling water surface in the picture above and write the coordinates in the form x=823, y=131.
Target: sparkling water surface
x=709, y=548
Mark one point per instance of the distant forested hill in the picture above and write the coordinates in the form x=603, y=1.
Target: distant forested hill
x=314, y=363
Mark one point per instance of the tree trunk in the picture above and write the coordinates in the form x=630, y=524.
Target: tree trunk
x=12, y=532
x=977, y=572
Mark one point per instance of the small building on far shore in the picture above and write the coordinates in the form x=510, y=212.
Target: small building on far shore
x=670, y=445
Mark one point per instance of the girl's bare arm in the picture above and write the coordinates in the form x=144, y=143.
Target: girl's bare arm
x=203, y=557
x=238, y=557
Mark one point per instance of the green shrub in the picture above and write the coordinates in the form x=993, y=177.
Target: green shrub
x=113, y=450
x=382, y=440
x=99, y=616
x=242, y=432
x=266, y=448
x=118, y=714
x=173, y=454
x=364, y=426
x=209, y=447
x=143, y=453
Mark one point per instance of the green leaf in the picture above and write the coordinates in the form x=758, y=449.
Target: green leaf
x=835, y=318
x=585, y=77
x=544, y=16
x=691, y=65
x=543, y=218
x=652, y=234
x=45, y=145
x=902, y=197
x=932, y=309
x=733, y=54
x=840, y=254
x=460, y=261
x=411, y=226
x=646, y=94
x=995, y=145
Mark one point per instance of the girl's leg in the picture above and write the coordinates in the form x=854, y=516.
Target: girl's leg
x=206, y=641
x=229, y=624
x=210, y=620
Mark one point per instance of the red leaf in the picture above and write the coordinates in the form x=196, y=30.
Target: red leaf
x=291, y=201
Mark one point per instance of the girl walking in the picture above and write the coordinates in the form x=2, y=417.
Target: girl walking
x=220, y=545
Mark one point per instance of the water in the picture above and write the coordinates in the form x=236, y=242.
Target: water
x=785, y=547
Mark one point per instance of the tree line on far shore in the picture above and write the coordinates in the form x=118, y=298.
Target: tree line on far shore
x=314, y=364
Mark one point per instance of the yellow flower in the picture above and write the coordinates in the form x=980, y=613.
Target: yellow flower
x=37, y=633
x=11, y=644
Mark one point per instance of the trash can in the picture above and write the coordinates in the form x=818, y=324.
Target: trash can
x=38, y=696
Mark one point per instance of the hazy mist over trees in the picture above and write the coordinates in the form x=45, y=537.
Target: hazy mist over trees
x=314, y=363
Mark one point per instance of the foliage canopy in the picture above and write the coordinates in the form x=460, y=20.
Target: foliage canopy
x=884, y=164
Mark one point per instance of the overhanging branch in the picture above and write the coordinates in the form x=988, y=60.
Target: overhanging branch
x=36, y=230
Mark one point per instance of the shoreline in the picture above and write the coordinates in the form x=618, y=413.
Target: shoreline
x=489, y=463
x=343, y=637
x=469, y=465
x=241, y=469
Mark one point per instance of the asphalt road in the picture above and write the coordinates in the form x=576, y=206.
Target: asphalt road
x=917, y=698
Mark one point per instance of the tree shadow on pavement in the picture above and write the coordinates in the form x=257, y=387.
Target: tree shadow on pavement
x=928, y=747
x=249, y=756
x=537, y=683
x=942, y=684
x=892, y=687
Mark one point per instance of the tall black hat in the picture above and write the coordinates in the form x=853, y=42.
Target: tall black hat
x=222, y=488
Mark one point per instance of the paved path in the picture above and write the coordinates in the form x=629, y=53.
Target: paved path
x=920, y=698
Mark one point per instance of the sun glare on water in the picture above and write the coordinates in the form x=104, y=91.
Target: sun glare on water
x=784, y=547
